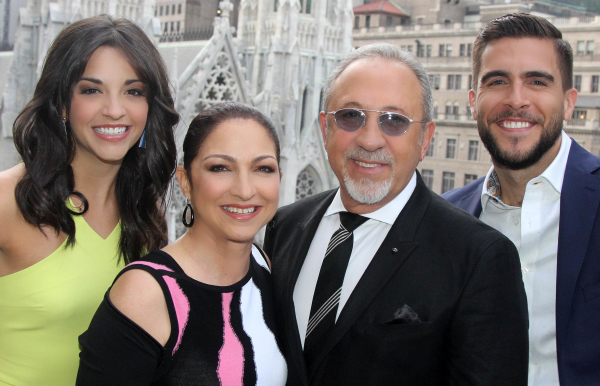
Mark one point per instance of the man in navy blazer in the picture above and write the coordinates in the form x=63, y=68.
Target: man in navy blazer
x=543, y=191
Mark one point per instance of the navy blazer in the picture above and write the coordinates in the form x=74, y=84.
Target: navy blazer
x=578, y=265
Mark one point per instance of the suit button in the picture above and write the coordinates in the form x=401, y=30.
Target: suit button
x=394, y=250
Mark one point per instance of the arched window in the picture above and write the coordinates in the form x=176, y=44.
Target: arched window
x=308, y=183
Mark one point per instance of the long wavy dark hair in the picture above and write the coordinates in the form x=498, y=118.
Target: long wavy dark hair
x=143, y=178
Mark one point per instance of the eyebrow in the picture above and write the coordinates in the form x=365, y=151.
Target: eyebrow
x=358, y=106
x=539, y=74
x=528, y=74
x=98, y=81
x=233, y=160
x=493, y=74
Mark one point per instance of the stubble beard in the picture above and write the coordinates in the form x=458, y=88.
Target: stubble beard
x=365, y=191
x=518, y=160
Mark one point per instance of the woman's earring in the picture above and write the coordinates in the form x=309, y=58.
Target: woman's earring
x=188, y=214
x=63, y=124
x=143, y=140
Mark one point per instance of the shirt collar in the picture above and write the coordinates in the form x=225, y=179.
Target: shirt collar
x=554, y=174
x=386, y=214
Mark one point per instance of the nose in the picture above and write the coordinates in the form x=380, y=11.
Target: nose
x=113, y=107
x=243, y=186
x=518, y=96
x=370, y=137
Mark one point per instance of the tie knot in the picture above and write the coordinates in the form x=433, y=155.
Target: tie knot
x=351, y=221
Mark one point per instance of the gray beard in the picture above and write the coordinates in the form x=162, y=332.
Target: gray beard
x=365, y=191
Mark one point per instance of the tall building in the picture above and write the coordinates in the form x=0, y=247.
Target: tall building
x=441, y=33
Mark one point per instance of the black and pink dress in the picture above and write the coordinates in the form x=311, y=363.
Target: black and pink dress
x=219, y=335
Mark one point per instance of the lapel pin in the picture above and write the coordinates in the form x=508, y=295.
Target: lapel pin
x=394, y=250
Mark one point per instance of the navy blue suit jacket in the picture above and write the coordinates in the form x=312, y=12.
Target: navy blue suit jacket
x=578, y=265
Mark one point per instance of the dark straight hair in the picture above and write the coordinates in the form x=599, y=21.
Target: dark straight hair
x=205, y=122
x=143, y=178
x=524, y=25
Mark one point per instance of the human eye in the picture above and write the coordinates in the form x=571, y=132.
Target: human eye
x=538, y=82
x=89, y=91
x=266, y=169
x=218, y=168
x=136, y=92
x=496, y=82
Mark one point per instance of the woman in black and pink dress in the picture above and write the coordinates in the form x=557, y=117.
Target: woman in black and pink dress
x=199, y=311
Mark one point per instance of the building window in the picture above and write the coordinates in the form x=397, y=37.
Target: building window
x=590, y=47
x=179, y=9
x=166, y=10
x=178, y=25
x=470, y=178
x=578, y=118
x=161, y=11
x=469, y=49
x=470, y=85
x=307, y=183
x=420, y=50
x=442, y=50
x=451, y=148
x=155, y=11
x=462, y=50
x=580, y=47
x=431, y=148
x=468, y=112
x=172, y=26
x=448, y=49
x=594, y=87
x=428, y=53
x=368, y=21
x=388, y=21
x=305, y=6
x=173, y=9
x=450, y=85
x=409, y=48
x=577, y=82
x=166, y=27
x=448, y=111
x=455, y=111
x=427, y=177
x=356, y=20
x=473, y=151
x=447, y=181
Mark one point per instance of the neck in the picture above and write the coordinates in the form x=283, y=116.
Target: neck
x=95, y=180
x=209, y=259
x=514, y=182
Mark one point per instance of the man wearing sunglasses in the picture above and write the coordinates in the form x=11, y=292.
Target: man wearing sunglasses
x=382, y=282
x=543, y=191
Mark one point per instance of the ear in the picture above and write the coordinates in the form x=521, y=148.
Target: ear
x=569, y=103
x=472, y=103
x=323, y=123
x=427, y=135
x=184, y=182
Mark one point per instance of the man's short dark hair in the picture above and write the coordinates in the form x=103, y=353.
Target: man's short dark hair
x=523, y=25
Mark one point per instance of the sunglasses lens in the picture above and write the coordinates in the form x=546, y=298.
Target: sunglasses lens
x=394, y=124
x=349, y=119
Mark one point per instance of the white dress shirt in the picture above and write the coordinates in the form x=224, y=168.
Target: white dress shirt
x=367, y=240
x=533, y=228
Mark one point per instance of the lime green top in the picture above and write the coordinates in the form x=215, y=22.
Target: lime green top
x=44, y=308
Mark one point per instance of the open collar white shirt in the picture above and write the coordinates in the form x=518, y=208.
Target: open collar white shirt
x=367, y=240
x=533, y=228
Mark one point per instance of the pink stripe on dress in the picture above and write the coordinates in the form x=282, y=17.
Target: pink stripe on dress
x=231, y=355
x=182, y=307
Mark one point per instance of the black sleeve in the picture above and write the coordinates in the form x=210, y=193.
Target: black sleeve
x=116, y=351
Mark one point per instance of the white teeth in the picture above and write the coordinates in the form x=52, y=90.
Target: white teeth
x=110, y=130
x=239, y=210
x=365, y=165
x=515, y=124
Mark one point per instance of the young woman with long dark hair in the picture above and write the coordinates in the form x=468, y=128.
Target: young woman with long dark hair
x=98, y=153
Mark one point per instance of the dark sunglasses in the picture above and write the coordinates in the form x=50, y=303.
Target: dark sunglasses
x=390, y=123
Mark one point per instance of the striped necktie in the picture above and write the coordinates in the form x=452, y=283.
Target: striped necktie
x=329, y=285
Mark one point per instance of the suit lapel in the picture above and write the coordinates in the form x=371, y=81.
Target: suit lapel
x=384, y=265
x=303, y=236
x=580, y=198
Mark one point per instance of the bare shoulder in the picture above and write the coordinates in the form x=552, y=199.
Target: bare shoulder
x=140, y=298
x=9, y=211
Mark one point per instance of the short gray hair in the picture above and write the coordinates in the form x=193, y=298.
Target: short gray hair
x=390, y=52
